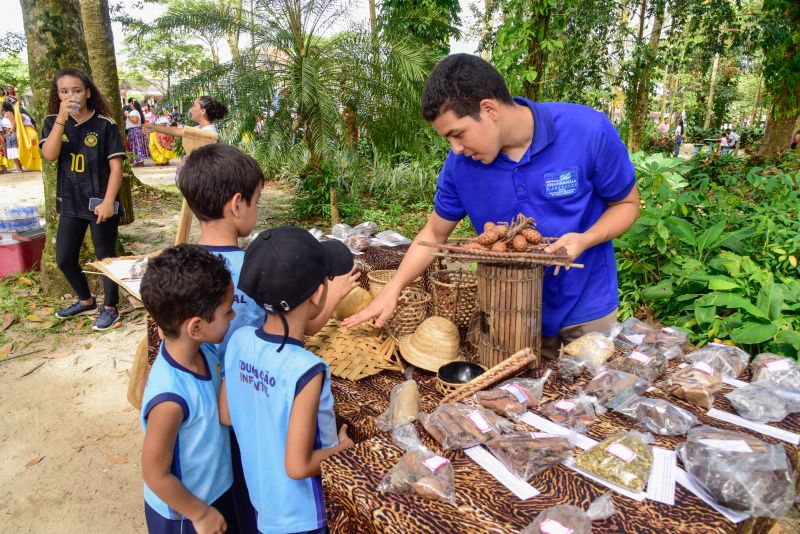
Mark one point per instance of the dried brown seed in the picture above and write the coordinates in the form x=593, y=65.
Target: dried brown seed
x=519, y=243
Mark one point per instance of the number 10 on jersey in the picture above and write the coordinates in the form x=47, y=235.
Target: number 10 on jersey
x=77, y=162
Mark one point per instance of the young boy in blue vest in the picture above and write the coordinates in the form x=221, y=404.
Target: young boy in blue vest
x=222, y=186
x=186, y=457
x=563, y=164
x=276, y=394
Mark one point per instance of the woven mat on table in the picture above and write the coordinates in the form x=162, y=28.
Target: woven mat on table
x=354, y=353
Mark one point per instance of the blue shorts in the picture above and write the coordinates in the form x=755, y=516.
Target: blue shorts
x=158, y=524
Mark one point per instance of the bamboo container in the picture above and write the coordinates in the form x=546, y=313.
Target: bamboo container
x=510, y=304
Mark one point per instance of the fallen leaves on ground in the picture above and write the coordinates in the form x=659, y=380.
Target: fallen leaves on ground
x=25, y=280
x=34, y=318
x=8, y=319
x=34, y=461
x=5, y=350
x=87, y=345
x=79, y=324
x=116, y=459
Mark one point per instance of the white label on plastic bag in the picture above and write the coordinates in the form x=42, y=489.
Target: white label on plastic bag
x=600, y=375
x=622, y=452
x=600, y=343
x=778, y=365
x=551, y=526
x=670, y=330
x=542, y=435
x=492, y=465
x=639, y=357
x=729, y=445
x=480, y=421
x=435, y=462
x=704, y=367
x=636, y=339
x=517, y=391
x=565, y=405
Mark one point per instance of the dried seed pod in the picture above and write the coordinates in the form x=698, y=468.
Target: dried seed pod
x=501, y=229
x=474, y=245
x=489, y=225
x=499, y=247
x=488, y=237
x=532, y=236
x=519, y=243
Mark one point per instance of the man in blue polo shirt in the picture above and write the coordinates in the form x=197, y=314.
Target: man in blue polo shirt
x=563, y=164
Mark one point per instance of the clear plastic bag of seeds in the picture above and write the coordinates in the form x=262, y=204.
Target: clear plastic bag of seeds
x=780, y=370
x=458, y=426
x=646, y=363
x=656, y=415
x=730, y=361
x=581, y=409
x=762, y=402
x=420, y=471
x=568, y=519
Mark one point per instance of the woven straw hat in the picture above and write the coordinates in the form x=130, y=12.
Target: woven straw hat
x=433, y=344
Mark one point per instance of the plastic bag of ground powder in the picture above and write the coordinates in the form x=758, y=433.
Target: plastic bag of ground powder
x=513, y=397
x=730, y=361
x=739, y=471
x=420, y=471
x=595, y=348
x=568, y=519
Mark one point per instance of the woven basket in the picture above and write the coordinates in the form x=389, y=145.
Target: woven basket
x=455, y=295
x=413, y=307
x=379, y=279
x=354, y=353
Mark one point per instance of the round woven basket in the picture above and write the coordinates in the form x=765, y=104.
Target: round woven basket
x=379, y=279
x=455, y=295
x=413, y=307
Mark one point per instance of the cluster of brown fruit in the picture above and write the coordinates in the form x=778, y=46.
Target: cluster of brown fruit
x=517, y=236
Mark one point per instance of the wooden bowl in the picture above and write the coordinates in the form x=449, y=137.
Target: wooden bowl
x=455, y=374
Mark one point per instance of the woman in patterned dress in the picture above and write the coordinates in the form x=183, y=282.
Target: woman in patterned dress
x=136, y=139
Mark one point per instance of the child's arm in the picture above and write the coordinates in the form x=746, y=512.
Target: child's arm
x=302, y=461
x=163, y=422
x=51, y=148
x=106, y=209
x=224, y=413
x=337, y=290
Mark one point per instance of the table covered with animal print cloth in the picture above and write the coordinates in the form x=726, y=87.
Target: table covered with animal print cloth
x=483, y=504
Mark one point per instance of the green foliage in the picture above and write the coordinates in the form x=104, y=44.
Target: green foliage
x=14, y=71
x=431, y=22
x=778, y=34
x=715, y=250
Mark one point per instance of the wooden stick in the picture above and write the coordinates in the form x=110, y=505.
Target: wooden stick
x=497, y=373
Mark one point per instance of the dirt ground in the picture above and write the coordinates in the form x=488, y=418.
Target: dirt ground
x=70, y=443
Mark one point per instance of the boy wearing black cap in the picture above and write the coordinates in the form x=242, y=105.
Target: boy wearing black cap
x=276, y=394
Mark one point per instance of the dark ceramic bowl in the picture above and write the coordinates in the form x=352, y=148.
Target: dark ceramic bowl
x=459, y=372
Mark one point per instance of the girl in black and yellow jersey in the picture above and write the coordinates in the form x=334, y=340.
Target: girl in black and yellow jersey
x=89, y=151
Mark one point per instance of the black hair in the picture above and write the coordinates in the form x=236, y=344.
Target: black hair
x=138, y=108
x=96, y=102
x=182, y=282
x=458, y=83
x=213, y=174
x=215, y=110
x=130, y=100
x=8, y=106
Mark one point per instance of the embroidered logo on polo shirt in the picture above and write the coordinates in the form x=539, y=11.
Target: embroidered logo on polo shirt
x=559, y=184
x=64, y=138
x=90, y=140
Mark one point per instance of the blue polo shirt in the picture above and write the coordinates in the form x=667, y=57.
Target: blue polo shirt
x=575, y=166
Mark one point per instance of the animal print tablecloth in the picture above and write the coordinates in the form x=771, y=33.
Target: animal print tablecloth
x=483, y=504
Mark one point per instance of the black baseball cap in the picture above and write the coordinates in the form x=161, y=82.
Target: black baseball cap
x=284, y=266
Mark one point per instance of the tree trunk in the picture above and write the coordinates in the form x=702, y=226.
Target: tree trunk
x=710, y=100
x=102, y=58
x=780, y=124
x=536, y=59
x=55, y=40
x=641, y=98
x=757, y=100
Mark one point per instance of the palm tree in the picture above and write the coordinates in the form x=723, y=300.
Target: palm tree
x=303, y=86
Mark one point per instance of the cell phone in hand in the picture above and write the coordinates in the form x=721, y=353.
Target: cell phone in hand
x=94, y=202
